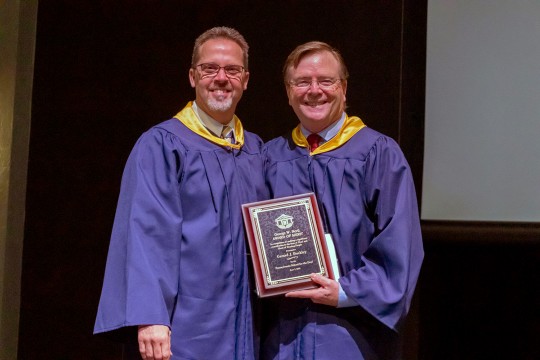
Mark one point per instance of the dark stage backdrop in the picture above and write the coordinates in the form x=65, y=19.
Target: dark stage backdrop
x=105, y=71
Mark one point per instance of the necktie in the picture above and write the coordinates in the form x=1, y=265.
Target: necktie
x=313, y=140
x=227, y=134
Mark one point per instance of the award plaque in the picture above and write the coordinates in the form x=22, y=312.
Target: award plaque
x=287, y=243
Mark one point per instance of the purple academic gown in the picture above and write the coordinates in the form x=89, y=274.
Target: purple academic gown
x=177, y=255
x=367, y=197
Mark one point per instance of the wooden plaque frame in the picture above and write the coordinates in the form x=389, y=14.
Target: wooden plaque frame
x=287, y=243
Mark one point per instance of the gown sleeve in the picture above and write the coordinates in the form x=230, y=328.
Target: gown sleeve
x=384, y=282
x=141, y=275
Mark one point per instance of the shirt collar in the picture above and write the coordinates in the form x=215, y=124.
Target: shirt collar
x=329, y=132
x=211, y=124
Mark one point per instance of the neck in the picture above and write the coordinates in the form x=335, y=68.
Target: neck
x=317, y=129
x=223, y=117
x=329, y=131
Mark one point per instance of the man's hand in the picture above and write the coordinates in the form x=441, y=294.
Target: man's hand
x=327, y=294
x=155, y=342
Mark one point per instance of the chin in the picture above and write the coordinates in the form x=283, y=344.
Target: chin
x=223, y=105
x=315, y=119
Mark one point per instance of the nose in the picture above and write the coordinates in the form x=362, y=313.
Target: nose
x=221, y=75
x=314, y=86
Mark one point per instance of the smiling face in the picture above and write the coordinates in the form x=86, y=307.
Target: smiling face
x=217, y=95
x=317, y=108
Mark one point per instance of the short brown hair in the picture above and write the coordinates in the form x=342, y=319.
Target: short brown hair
x=309, y=48
x=220, y=32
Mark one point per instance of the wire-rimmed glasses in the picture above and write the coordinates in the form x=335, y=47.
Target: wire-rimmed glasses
x=212, y=69
x=328, y=84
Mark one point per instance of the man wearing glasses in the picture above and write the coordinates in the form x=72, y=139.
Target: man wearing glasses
x=368, y=206
x=176, y=271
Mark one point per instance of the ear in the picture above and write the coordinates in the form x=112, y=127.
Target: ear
x=289, y=90
x=246, y=79
x=192, y=74
x=344, y=86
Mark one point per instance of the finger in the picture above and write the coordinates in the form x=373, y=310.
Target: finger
x=302, y=294
x=146, y=350
x=166, y=351
x=320, y=280
x=157, y=351
x=142, y=349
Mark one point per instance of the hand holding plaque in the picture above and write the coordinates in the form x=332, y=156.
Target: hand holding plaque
x=287, y=243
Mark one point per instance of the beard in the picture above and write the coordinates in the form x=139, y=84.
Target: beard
x=219, y=104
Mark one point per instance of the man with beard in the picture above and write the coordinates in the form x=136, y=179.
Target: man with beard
x=368, y=205
x=176, y=272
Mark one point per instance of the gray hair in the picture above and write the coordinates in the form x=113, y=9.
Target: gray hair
x=224, y=33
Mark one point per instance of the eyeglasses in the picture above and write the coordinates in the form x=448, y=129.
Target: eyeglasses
x=211, y=69
x=324, y=84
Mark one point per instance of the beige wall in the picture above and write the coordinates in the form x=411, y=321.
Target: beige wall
x=482, y=111
x=17, y=39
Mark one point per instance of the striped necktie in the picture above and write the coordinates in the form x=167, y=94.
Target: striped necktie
x=227, y=134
